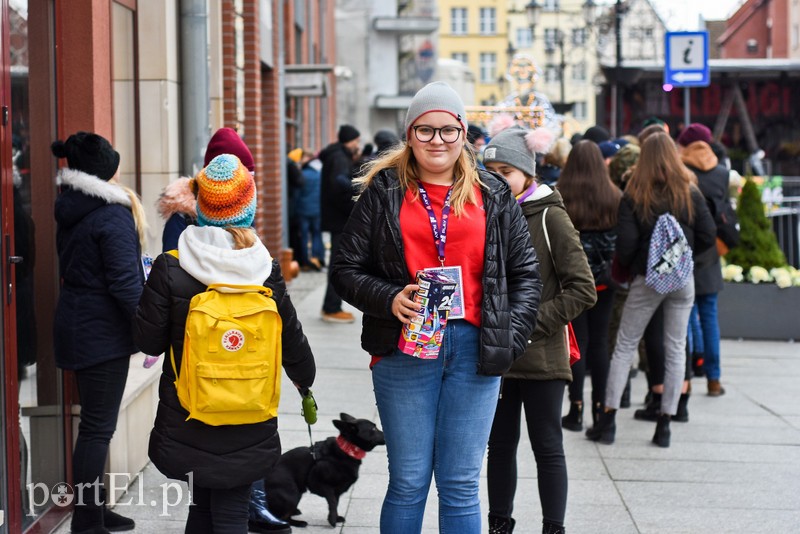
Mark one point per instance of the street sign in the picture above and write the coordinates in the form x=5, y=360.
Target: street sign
x=686, y=63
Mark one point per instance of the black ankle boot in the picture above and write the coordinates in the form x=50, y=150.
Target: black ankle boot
x=112, y=521
x=662, y=435
x=625, y=400
x=574, y=419
x=682, y=416
x=550, y=528
x=501, y=525
x=651, y=410
x=261, y=519
x=606, y=428
x=87, y=515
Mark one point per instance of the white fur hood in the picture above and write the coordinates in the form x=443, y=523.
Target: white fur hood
x=93, y=186
x=206, y=253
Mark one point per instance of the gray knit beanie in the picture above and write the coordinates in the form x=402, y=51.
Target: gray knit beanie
x=512, y=146
x=436, y=96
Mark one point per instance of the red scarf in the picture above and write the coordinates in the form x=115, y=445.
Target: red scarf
x=353, y=451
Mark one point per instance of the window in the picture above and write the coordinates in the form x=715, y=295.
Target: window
x=550, y=39
x=524, y=38
x=579, y=111
x=551, y=73
x=579, y=72
x=458, y=21
x=463, y=57
x=550, y=5
x=752, y=46
x=488, y=21
x=648, y=33
x=579, y=36
x=488, y=67
x=795, y=36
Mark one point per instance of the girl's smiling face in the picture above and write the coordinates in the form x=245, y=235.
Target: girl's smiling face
x=436, y=159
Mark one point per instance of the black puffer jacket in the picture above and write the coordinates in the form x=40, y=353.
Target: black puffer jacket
x=100, y=262
x=633, y=233
x=370, y=270
x=218, y=456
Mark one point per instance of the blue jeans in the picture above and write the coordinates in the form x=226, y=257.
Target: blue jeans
x=436, y=417
x=695, y=332
x=310, y=232
x=707, y=310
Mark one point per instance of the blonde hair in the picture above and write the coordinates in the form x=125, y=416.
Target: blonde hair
x=402, y=160
x=139, y=218
x=242, y=237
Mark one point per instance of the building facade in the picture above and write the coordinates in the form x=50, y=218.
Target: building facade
x=157, y=78
x=761, y=29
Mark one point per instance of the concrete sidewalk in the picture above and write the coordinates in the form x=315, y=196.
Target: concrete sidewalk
x=735, y=467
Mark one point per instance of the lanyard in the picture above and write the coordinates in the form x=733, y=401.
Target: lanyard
x=439, y=231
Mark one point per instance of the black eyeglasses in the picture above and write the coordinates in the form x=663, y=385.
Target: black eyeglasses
x=448, y=134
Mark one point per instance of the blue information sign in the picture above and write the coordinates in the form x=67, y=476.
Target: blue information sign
x=686, y=62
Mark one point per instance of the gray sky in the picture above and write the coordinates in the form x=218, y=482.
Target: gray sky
x=685, y=14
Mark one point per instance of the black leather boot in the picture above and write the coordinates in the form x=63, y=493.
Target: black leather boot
x=663, y=433
x=651, y=410
x=550, y=528
x=574, y=419
x=261, y=519
x=606, y=428
x=501, y=525
x=682, y=416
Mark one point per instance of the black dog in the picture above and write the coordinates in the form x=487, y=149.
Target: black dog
x=328, y=469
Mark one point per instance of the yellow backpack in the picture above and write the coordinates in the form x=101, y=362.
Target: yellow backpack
x=231, y=367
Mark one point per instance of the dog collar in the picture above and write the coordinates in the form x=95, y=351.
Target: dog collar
x=353, y=451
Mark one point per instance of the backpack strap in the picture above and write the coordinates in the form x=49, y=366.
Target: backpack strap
x=173, y=253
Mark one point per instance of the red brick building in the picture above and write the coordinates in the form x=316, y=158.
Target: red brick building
x=758, y=29
x=120, y=68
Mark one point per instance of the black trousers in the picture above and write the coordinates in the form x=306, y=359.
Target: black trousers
x=100, y=390
x=332, y=302
x=542, y=400
x=218, y=511
x=591, y=331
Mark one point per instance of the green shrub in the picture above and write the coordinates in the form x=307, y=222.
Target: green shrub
x=758, y=246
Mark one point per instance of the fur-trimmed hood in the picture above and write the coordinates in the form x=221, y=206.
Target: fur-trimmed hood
x=84, y=193
x=177, y=197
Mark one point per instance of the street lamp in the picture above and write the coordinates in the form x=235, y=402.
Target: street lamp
x=533, y=13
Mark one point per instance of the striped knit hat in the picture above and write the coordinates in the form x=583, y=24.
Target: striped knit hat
x=226, y=193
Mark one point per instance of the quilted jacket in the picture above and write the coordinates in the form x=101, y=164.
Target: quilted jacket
x=218, y=456
x=370, y=269
x=100, y=263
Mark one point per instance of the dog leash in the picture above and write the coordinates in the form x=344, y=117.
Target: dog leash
x=309, y=413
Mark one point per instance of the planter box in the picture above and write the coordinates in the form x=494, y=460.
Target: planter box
x=759, y=311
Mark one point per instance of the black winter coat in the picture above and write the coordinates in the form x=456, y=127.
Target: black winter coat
x=218, y=456
x=713, y=183
x=100, y=263
x=633, y=233
x=370, y=269
x=336, y=191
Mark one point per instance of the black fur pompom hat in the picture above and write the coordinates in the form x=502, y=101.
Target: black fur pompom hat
x=88, y=152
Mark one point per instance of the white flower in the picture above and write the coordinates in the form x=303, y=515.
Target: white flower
x=782, y=277
x=758, y=274
x=732, y=273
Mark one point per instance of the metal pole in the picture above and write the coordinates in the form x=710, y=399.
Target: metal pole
x=687, y=108
x=562, y=66
x=616, y=124
x=195, y=105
